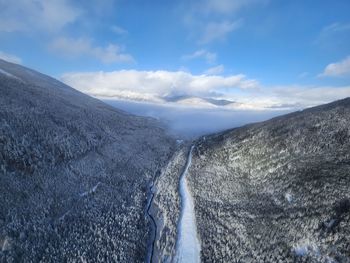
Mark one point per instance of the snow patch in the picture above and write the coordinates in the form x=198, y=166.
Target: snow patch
x=301, y=250
x=8, y=74
x=91, y=191
x=289, y=197
x=6, y=244
x=64, y=216
x=330, y=224
x=188, y=246
x=306, y=247
x=179, y=141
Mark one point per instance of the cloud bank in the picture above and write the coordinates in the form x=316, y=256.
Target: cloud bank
x=192, y=122
x=200, y=91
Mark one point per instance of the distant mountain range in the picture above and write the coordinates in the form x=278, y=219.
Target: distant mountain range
x=199, y=101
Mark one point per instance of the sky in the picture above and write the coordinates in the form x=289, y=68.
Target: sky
x=258, y=55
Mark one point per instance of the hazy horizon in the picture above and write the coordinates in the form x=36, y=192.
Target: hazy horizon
x=188, y=123
x=218, y=63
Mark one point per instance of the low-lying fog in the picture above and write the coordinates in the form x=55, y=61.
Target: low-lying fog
x=191, y=122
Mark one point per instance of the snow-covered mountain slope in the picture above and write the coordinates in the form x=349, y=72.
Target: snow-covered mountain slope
x=276, y=191
x=74, y=173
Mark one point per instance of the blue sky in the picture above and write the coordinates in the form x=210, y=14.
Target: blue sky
x=261, y=54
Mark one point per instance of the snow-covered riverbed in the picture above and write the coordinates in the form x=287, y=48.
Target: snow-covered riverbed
x=188, y=246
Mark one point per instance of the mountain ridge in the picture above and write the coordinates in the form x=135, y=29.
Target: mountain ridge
x=76, y=176
x=274, y=191
x=68, y=163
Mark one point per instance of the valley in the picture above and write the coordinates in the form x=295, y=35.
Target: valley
x=272, y=191
x=83, y=181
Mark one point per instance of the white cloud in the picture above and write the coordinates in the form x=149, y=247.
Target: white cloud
x=10, y=58
x=336, y=69
x=307, y=96
x=334, y=28
x=218, y=30
x=119, y=30
x=154, y=85
x=303, y=75
x=334, y=36
x=212, y=20
x=228, y=6
x=27, y=15
x=288, y=97
x=202, y=53
x=201, y=90
x=223, y=6
x=215, y=70
x=84, y=47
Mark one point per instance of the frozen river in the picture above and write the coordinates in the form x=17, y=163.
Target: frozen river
x=187, y=246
